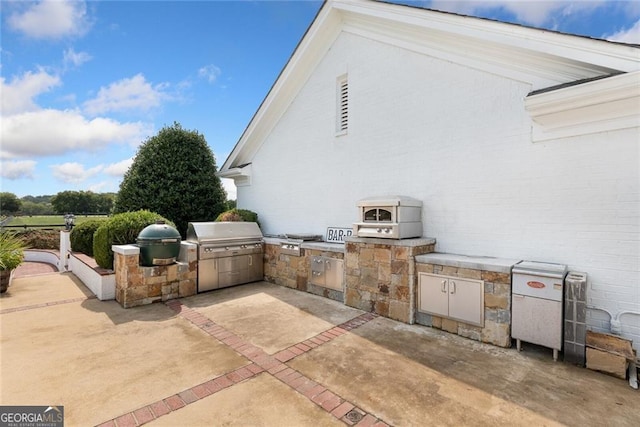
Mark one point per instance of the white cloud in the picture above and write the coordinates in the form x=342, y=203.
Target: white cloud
x=529, y=12
x=102, y=187
x=17, y=169
x=230, y=187
x=209, y=72
x=51, y=19
x=118, y=169
x=75, y=59
x=134, y=93
x=73, y=173
x=52, y=132
x=18, y=95
x=628, y=35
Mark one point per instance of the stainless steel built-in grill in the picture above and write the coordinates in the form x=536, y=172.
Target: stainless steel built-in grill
x=229, y=253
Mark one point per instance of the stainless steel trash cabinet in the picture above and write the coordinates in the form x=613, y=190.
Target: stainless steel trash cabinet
x=536, y=304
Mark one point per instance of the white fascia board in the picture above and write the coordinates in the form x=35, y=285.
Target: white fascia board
x=538, y=57
x=598, y=106
x=322, y=33
x=592, y=52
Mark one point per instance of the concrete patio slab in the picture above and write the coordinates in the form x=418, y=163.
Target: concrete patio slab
x=261, y=354
x=43, y=289
x=260, y=401
x=100, y=360
x=413, y=375
x=270, y=316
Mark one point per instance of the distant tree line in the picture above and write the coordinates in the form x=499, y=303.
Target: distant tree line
x=77, y=202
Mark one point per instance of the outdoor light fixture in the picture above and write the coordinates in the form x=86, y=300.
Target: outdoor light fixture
x=68, y=221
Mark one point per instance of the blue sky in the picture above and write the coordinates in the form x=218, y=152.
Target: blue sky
x=84, y=83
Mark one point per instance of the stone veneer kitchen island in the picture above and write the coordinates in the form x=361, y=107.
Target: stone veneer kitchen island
x=380, y=275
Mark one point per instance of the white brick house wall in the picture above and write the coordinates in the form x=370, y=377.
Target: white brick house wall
x=459, y=139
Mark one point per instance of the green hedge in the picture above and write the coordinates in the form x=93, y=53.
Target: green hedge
x=82, y=236
x=238, y=215
x=121, y=229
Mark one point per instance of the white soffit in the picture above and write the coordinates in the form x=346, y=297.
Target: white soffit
x=241, y=175
x=601, y=105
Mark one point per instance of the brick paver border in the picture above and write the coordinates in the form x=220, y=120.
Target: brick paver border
x=275, y=365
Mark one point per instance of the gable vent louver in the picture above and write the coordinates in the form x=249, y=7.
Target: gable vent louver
x=343, y=106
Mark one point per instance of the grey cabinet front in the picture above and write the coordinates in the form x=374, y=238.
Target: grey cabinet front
x=207, y=275
x=229, y=271
x=327, y=272
x=255, y=268
x=452, y=297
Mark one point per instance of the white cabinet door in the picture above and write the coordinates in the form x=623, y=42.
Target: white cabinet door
x=434, y=296
x=465, y=300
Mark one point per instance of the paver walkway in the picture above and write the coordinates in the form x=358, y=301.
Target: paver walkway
x=262, y=354
x=33, y=268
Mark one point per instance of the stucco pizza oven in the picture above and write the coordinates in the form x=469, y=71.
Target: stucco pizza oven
x=389, y=217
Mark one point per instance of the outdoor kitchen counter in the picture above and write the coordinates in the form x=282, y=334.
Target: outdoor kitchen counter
x=499, y=265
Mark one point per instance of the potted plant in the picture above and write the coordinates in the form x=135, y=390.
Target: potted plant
x=11, y=256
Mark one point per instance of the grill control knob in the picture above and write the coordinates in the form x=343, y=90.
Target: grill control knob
x=379, y=230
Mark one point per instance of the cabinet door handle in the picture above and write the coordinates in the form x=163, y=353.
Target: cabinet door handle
x=443, y=287
x=453, y=287
x=250, y=260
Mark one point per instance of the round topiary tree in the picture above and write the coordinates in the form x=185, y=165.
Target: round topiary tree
x=121, y=229
x=174, y=174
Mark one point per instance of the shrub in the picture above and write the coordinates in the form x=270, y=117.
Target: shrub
x=238, y=215
x=40, y=239
x=121, y=229
x=82, y=236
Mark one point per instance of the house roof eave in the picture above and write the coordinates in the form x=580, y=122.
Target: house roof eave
x=544, y=58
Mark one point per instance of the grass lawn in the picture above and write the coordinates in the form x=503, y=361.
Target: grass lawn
x=49, y=221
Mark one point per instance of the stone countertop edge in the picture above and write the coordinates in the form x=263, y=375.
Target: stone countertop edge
x=273, y=240
x=126, y=249
x=416, y=241
x=323, y=246
x=499, y=265
x=319, y=246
